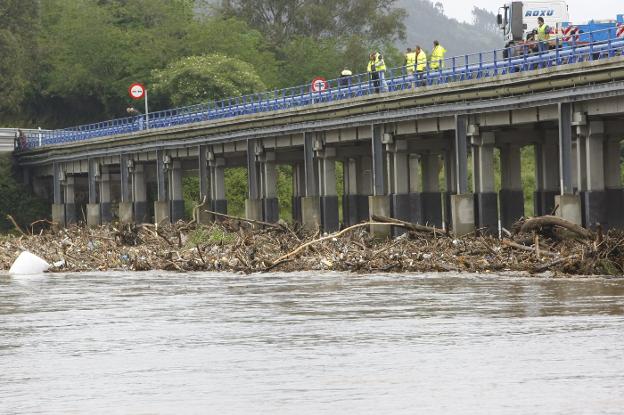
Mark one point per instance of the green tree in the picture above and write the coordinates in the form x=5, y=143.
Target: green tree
x=197, y=79
x=283, y=20
x=19, y=25
x=234, y=38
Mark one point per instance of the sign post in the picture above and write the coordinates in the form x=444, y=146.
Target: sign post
x=138, y=91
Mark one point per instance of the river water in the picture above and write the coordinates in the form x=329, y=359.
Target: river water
x=162, y=343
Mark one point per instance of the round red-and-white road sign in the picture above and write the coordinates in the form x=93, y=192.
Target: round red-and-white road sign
x=136, y=91
x=319, y=85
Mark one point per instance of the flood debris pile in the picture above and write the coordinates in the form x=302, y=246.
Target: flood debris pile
x=536, y=245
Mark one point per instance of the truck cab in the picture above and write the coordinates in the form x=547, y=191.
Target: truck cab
x=517, y=19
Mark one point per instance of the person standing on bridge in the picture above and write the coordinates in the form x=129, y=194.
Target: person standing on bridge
x=437, y=56
x=421, y=62
x=377, y=71
x=543, y=34
x=410, y=62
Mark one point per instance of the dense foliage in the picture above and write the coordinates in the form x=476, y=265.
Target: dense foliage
x=16, y=200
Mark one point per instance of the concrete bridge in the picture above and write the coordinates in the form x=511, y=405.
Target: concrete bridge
x=406, y=153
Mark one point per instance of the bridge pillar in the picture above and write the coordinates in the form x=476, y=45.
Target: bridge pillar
x=253, y=203
x=126, y=214
x=379, y=202
x=328, y=193
x=310, y=204
x=217, y=185
x=415, y=189
x=431, y=196
x=161, y=205
x=93, y=208
x=546, y=174
x=176, y=191
x=105, y=196
x=71, y=216
x=486, y=199
x=203, y=217
x=511, y=195
x=593, y=193
x=298, y=185
x=462, y=203
x=569, y=203
x=268, y=179
x=139, y=194
x=399, y=175
x=450, y=178
x=357, y=188
x=613, y=182
x=58, y=207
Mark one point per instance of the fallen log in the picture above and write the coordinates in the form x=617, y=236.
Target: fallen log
x=514, y=245
x=408, y=225
x=536, y=224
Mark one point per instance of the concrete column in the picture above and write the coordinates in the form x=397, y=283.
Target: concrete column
x=613, y=182
x=161, y=205
x=432, y=211
x=310, y=204
x=364, y=183
x=450, y=178
x=511, y=195
x=569, y=203
x=126, y=207
x=139, y=194
x=486, y=199
x=399, y=178
x=547, y=174
x=253, y=203
x=70, y=201
x=58, y=207
x=594, y=195
x=349, y=199
x=462, y=204
x=298, y=178
x=415, y=189
x=268, y=180
x=204, y=186
x=379, y=202
x=176, y=191
x=328, y=193
x=93, y=208
x=217, y=185
x=106, y=212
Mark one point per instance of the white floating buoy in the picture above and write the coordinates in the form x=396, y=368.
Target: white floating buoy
x=28, y=264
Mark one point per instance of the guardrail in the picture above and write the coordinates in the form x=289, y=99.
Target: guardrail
x=601, y=44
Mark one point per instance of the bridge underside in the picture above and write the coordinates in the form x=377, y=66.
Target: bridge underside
x=447, y=157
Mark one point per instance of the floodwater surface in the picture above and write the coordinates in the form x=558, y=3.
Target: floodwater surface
x=163, y=343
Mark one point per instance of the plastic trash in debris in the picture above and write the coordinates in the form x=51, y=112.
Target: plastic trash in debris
x=28, y=264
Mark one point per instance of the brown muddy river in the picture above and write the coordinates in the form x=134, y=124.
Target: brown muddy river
x=162, y=343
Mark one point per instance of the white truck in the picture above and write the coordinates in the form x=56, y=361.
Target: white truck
x=517, y=19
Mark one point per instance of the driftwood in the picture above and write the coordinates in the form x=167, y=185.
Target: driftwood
x=408, y=225
x=17, y=227
x=514, y=245
x=325, y=238
x=252, y=221
x=536, y=224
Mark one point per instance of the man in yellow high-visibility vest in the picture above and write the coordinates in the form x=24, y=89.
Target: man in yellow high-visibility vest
x=377, y=70
x=437, y=56
x=543, y=34
x=410, y=62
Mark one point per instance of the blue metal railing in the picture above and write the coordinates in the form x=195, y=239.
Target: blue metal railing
x=601, y=44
